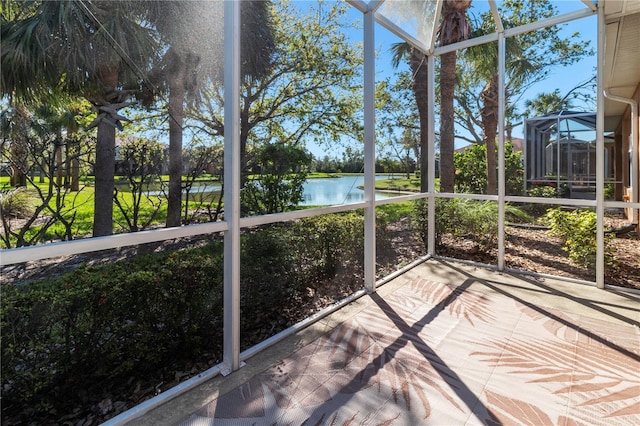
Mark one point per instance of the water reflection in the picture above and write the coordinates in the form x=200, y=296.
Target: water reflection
x=332, y=191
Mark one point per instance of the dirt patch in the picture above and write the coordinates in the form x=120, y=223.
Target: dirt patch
x=527, y=248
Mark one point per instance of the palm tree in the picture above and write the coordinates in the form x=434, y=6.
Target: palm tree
x=527, y=62
x=61, y=113
x=546, y=103
x=193, y=59
x=96, y=49
x=454, y=27
x=419, y=84
x=484, y=58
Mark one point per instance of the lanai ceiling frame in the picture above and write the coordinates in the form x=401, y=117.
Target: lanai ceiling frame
x=382, y=12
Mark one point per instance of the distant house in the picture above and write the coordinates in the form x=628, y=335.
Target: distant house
x=518, y=144
x=560, y=150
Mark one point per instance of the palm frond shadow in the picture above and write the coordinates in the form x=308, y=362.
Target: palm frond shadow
x=410, y=378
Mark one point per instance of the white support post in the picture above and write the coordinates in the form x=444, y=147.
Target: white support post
x=231, y=351
x=600, y=153
x=501, y=171
x=525, y=149
x=369, y=153
x=431, y=220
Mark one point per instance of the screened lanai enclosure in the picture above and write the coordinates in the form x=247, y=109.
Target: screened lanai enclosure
x=561, y=151
x=417, y=306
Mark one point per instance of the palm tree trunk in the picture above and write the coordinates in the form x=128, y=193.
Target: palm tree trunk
x=453, y=28
x=18, y=165
x=447, y=88
x=19, y=161
x=75, y=175
x=489, y=116
x=105, y=163
x=104, y=174
x=176, y=114
x=74, y=160
x=418, y=64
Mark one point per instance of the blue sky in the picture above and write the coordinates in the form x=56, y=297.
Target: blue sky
x=562, y=78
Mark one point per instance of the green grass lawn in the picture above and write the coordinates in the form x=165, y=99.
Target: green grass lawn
x=401, y=184
x=79, y=208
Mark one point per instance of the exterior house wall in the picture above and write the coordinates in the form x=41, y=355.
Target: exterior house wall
x=623, y=135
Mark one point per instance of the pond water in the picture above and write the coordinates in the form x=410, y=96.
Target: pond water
x=317, y=192
x=340, y=190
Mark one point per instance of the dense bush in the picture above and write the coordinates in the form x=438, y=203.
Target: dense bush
x=540, y=191
x=269, y=269
x=543, y=191
x=476, y=220
x=327, y=243
x=280, y=185
x=99, y=324
x=471, y=170
x=577, y=229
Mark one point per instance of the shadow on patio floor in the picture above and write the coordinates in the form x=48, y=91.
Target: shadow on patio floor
x=446, y=344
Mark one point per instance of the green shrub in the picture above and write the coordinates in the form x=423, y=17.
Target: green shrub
x=330, y=241
x=477, y=220
x=543, y=191
x=577, y=229
x=99, y=324
x=471, y=170
x=268, y=268
x=16, y=203
x=102, y=325
x=280, y=185
x=609, y=191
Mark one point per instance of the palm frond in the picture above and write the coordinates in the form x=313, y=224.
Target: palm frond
x=401, y=52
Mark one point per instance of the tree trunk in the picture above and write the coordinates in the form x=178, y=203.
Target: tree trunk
x=19, y=160
x=18, y=165
x=104, y=174
x=75, y=175
x=418, y=64
x=58, y=159
x=176, y=113
x=489, y=116
x=105, y=165
x=447, y=88
x=73, y=162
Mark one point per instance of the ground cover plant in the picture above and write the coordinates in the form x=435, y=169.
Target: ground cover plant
x=577, y=229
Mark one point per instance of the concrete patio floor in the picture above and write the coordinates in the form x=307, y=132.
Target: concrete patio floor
x=445, y=343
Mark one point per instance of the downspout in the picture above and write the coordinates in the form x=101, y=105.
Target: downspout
x=635, y=151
